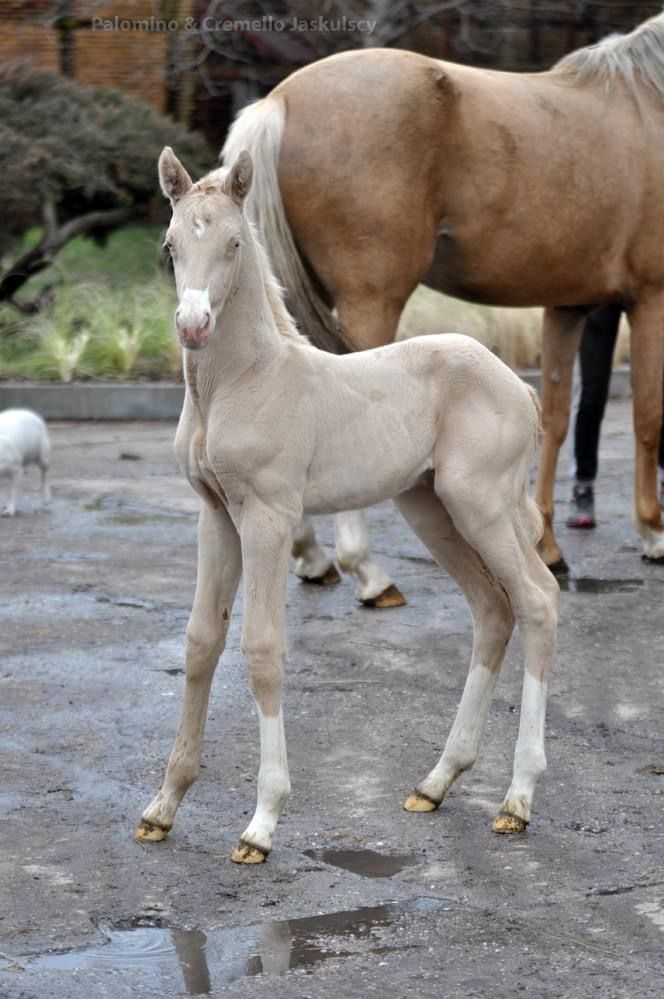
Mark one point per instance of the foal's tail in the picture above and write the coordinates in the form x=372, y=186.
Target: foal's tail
x=259, y=129
x=531, y=517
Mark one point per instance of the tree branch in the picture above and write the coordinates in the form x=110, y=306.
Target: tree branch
x=53, y=239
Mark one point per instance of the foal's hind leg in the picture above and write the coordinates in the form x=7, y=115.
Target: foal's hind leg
x=219, y=566
x=492, y=627
x=499, y=536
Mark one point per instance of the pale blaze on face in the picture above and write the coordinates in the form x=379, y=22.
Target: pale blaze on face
x=204, y=240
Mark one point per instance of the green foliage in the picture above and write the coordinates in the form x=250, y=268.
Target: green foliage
x=94, y=331
x=81, y=148
x=112, y=316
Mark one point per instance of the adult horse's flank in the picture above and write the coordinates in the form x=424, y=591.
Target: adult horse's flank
x=378, y=169
x=272, y=428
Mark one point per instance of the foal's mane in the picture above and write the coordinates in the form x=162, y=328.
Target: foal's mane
x=274, y=291
x=638, y=54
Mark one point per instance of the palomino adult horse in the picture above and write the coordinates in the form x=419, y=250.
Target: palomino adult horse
x=379, y=168
x=273, y=428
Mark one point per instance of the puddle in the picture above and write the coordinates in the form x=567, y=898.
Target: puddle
x=587, y=584
x=201, y=962
x=365, y=862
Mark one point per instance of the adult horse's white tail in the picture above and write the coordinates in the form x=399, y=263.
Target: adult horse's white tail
x=259, y=129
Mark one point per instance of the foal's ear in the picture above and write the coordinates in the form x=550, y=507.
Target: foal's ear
x=238, y=181
x=174, y=179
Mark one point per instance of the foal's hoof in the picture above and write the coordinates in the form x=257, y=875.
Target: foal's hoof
x=245, y=853
x=150, y=832
x=420, y=803
x=329, y=578
x=504, y=823
x=391, y=597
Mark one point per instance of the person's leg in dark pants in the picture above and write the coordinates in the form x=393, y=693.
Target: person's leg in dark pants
x=596, y=359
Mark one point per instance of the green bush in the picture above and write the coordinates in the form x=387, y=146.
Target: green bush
x=75, y=160
x=97, y=331
x=111, y=314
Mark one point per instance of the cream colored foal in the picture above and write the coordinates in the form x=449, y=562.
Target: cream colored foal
x=273, y=428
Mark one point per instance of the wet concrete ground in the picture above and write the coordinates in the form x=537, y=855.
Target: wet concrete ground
x=358, y=897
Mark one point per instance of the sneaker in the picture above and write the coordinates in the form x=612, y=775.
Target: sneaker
x=582, y=507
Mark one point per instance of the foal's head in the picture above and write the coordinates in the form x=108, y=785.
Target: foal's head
x=204, y=238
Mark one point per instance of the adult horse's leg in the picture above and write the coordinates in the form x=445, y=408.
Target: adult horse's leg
x=266, y=542
x=313, y=563
x=353, y=544
x=647, y=369
x=374, y=586
x=492, y=626
x=219, y=567
x=560, y=343
x=370, y=320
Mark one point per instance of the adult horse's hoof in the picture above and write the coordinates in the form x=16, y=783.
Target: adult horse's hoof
x=150, y=832
x=329, y=578
x=420, y=803
x=245, y=853
x=653, y=560
x=504, y=823
x=559, y=568
x=391, y=597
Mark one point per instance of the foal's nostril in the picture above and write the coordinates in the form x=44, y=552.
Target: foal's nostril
x=190, y=323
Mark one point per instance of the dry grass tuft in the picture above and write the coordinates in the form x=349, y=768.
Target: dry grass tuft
x=514, y=335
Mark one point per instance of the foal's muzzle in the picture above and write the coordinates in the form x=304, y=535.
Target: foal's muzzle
x=194, y=335
x=193, y=318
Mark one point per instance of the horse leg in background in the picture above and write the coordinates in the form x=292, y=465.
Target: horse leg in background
x=492, y=627
x=494, y=528
x=647, y=369
x=16, y=476
x=312, y=562
x=266, y=541
x=43, y=462
x=560, y=343
x=374, y=587
x=218, y=574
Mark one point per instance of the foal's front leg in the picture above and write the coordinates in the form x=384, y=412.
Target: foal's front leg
x=219, y=567
x=266, y=541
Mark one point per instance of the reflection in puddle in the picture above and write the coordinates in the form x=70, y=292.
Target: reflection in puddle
x=206, y=960
x=365, y=862
x=587, y=584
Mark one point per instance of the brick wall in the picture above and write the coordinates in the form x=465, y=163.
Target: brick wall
x=122, y=44
x=88, y=40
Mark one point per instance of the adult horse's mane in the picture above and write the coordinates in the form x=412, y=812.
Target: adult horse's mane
x=619, y=56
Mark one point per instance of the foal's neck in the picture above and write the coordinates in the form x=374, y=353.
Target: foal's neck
x=246, y=338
